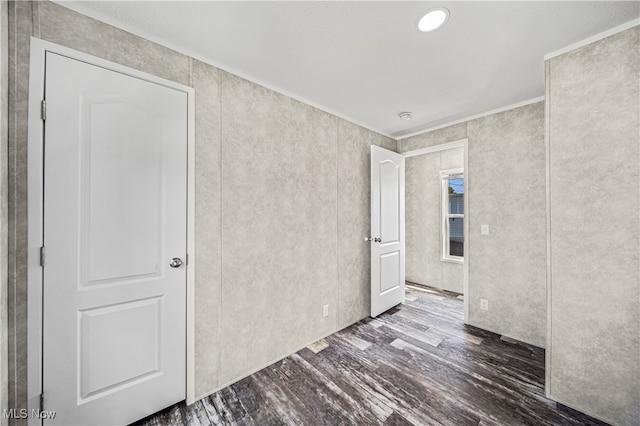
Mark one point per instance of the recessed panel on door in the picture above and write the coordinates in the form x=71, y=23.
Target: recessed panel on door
x=389, y=199
x=389, y=271
x=122, y=210
x=119, y=345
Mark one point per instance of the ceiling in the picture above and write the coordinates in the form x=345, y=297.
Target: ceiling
x=366, y=61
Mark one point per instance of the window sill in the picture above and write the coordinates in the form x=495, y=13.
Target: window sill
x=452, y=260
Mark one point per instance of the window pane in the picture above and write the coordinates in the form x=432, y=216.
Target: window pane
x=456, y=196
x=456, y=236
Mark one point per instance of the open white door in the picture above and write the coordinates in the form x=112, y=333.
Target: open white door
x=115, y=184
x=387, y=230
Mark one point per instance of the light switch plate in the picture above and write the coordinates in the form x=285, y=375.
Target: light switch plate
x=484, y=229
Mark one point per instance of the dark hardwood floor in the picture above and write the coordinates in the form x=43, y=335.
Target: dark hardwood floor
x=417, y=364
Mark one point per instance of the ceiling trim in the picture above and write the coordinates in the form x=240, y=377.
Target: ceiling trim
x=593, y=38
x=374, y=127
x=222, y=67
x=287, y=93
x=472, y=117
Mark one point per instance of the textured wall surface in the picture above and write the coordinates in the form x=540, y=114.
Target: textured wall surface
x=20, y=30
x=279, y=225
x=354, y=205
x=594, y=162
x=4, y=133
x=423, y=215
x=436, y=137
x=280, y=218
x=422, y=220
x=506, y=190
x=206, y=82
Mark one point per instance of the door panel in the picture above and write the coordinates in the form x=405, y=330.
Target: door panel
x=387, y=230
x=389, y=271
x=118, y=344
x=112, y=214
x=114, y=333
x=389, y=199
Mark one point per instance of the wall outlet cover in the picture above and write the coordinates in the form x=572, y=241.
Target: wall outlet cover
x=484, y=304
x=325, y=310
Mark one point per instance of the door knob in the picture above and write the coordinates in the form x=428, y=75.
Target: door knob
x=368, y=239
x=176, y=262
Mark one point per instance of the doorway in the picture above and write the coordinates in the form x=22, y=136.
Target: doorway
x=436, y=203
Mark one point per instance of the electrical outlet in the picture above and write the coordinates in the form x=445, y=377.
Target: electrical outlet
x=484, y=304
x=484, y=229
x=325, y=310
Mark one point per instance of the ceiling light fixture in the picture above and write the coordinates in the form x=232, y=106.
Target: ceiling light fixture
x=433, y=19
x=405, y=116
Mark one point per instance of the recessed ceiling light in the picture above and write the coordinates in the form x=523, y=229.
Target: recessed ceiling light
x=433, y=19
x=405, y=116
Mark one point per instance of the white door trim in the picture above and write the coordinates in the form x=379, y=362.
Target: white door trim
x=436, y=148
x=462, y=143
x=35, y=210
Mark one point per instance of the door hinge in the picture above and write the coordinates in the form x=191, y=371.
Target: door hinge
x=43, y=110
x=187, y=259
x=42, y=401
x=42, y=256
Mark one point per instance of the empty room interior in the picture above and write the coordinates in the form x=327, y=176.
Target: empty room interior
x=320, y=213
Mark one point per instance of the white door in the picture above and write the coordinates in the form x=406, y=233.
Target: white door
x=387, y=230
x=114, y=217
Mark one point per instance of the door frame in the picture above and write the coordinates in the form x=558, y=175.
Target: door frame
x=461, y=143
x=35, y=215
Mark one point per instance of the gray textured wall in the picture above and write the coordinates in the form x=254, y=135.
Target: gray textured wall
x=4, y=94
x=279, y=226
x=423, y=215
x=593, y=107
x=506, y=190
x=354, y=207
x=282, y=201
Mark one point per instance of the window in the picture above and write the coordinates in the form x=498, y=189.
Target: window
x=453, y=215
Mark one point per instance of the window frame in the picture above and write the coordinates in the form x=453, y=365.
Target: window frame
x=445, y=176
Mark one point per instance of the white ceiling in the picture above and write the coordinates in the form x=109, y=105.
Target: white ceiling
x=366, y=61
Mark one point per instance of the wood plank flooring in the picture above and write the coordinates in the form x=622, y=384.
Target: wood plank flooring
x=417, y=364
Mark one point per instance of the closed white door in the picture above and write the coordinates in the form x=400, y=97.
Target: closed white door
x=114, y=218
x=387, y=230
